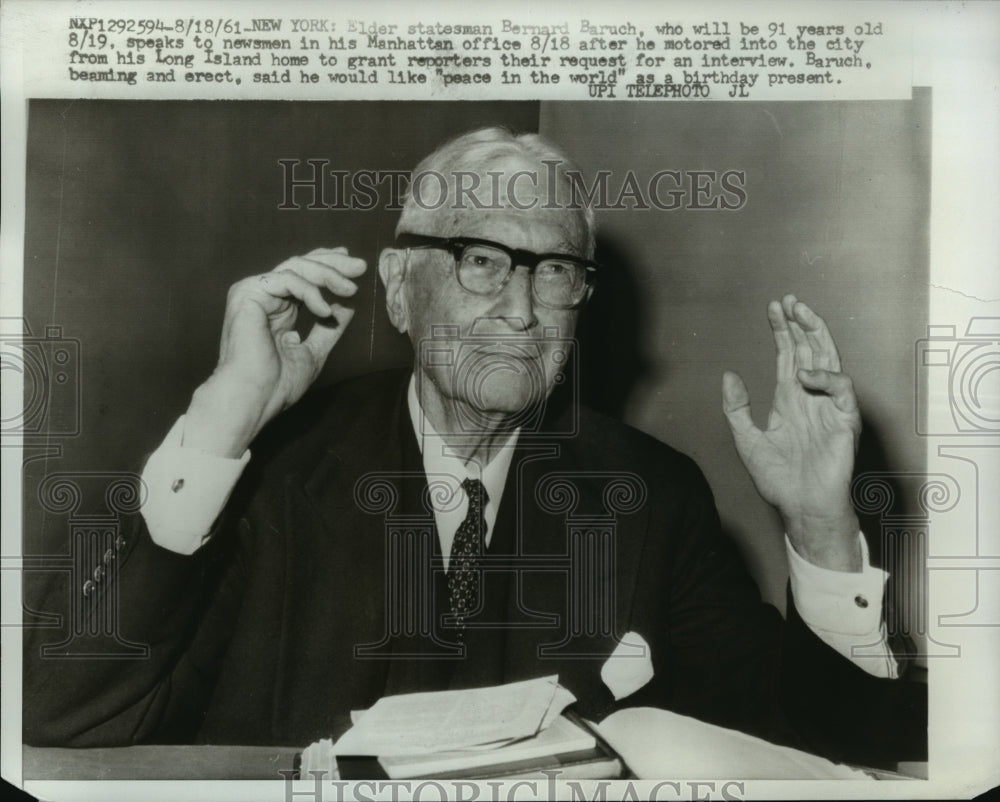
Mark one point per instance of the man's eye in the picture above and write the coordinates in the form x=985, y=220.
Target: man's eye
x=482, y=259
x=555, y=269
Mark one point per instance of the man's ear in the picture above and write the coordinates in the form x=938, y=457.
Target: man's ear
x=392, y=271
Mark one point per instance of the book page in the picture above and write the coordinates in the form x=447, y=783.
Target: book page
x=658, y=743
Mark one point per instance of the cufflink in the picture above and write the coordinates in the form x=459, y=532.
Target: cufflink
x=861, y=601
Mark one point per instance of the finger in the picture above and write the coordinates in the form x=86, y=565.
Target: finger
x=283, y=285
x=788, y=306
x=323, y=335
x=803, y=351
x=338, y=258
x=838, y=386
x=782, y=341
x=736, y=405
x=318, y=273
x=825, y=354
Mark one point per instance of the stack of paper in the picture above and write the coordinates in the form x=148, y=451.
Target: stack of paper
x=420, y=723
x=562, y=737
x=423, y=733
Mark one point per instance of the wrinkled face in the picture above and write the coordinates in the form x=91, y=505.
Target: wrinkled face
x=487, y=357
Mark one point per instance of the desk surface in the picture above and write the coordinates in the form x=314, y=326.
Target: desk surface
x=160, y=763
x=213, y=763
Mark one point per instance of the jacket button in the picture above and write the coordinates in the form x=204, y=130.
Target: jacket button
x=861, y=601
x=109, y=555
x=99, y=573
x=88, y=588
x=120, y=542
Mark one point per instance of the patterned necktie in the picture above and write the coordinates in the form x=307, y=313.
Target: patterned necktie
x=463, y=569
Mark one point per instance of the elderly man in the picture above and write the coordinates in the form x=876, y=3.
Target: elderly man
x=463, y=524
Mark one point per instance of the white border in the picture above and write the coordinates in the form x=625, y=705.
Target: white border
x=955, y=50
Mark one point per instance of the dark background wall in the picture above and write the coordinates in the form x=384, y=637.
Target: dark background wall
x=837, y=212
x=141, y=214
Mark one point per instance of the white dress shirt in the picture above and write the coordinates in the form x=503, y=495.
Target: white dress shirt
x=187, y=489
x=442, y=465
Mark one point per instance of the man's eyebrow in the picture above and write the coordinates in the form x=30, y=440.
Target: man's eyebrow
x=563, y=247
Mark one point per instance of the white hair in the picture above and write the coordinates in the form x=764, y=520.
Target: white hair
x=487, y=150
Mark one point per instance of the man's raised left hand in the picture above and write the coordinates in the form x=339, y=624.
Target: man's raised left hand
x=803, y=461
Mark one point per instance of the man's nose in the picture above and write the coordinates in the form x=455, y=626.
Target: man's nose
x=516, y=303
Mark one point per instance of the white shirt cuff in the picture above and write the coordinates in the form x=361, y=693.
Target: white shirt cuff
x=186, y=490
x=844, y=609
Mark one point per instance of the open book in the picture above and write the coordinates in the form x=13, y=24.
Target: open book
x=521, y=729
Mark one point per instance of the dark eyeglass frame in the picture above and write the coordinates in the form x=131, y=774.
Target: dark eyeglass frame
x=518, y=257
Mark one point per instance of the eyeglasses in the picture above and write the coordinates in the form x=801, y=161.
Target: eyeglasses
x=483, y=267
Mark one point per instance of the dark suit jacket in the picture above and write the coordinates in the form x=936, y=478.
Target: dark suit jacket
x=285, y=622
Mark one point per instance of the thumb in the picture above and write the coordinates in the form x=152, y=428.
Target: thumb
x=736, y=405
x=323, y=336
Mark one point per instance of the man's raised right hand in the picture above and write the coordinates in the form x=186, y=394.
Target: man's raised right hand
x=263, y=365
